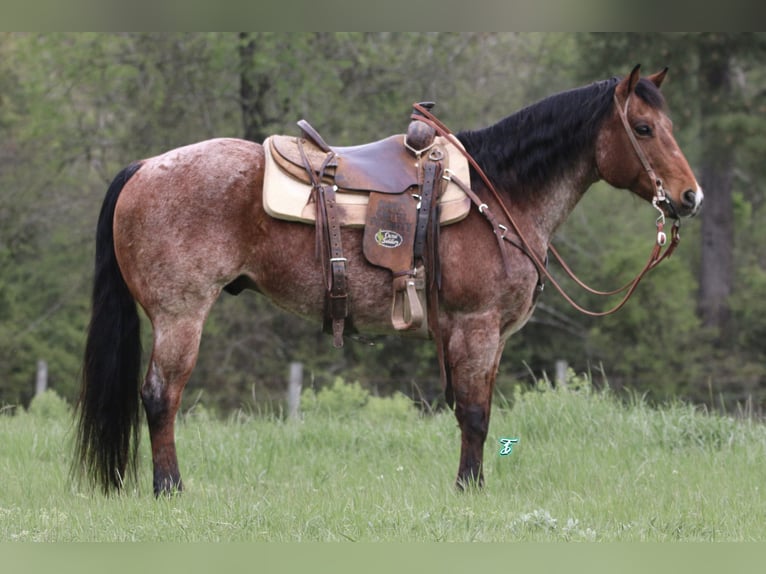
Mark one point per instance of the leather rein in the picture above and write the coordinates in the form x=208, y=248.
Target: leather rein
x=657, y=254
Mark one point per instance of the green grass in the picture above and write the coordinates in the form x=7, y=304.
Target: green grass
x=587, y=468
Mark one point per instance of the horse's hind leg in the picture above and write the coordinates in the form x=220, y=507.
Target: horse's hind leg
x=176, y=346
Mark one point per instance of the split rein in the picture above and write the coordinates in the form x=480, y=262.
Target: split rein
x=657, y=255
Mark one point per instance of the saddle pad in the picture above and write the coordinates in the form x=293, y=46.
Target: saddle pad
x=285, y=197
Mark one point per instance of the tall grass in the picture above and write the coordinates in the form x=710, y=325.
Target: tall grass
x=586, y=468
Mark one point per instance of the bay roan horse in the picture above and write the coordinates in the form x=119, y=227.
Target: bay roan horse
x=177, y=229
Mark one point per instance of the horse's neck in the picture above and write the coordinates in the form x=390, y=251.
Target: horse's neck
x=539, y=183
x=552, y=203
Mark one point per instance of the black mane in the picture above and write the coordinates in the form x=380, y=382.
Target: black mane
x=538, y=143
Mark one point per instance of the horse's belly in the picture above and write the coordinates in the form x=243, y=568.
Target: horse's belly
x=287, y=271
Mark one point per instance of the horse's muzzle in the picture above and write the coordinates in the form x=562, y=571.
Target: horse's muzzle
x=688, y=206
x=691, y=201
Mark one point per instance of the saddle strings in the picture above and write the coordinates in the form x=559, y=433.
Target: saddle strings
x=655, y=257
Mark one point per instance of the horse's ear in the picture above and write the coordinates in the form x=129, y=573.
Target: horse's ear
x=657, y=78
x=628, y=83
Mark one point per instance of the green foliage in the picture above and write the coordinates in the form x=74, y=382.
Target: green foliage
x=342, y=400
x=748, y=301
x=749, y=306
x=395, y=409
x=339, y=400
x=49, y=405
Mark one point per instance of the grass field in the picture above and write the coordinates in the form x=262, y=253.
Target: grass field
x=358, y=468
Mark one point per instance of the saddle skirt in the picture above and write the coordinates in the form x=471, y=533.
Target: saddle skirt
x=384, y=167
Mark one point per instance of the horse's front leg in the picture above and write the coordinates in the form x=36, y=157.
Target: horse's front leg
x=473, y=354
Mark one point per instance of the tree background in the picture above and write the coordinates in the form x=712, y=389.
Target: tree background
x=76, y=108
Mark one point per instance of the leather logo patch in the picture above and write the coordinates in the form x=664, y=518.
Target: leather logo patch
x=388, y=239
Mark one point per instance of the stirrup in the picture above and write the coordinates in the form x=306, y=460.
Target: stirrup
x=407, y=312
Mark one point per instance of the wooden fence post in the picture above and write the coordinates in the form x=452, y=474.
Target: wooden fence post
x=294, y=386
x=561, y=373
x=41, y=381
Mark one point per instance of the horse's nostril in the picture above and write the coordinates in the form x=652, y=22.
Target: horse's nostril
x=689, y=198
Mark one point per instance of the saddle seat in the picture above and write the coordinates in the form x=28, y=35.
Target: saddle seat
x=384, y=166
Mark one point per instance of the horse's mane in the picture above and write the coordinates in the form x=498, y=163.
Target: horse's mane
x=538, y=143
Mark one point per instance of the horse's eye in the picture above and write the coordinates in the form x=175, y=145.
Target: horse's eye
x=643, y=130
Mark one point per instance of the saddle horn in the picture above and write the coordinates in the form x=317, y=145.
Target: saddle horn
x=420, y=135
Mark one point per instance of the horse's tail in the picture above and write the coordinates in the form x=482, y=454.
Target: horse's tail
x=108, y=409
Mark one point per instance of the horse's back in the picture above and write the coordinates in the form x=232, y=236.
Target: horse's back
x=205, y=160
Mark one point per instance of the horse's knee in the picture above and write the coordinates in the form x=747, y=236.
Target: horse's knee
x=154, y=395
x=169, y=370
x=473, y=420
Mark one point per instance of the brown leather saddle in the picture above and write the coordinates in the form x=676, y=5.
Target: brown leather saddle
x=401, y=180
x=383, y=166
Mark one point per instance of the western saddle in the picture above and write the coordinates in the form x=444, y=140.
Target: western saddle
x=394, y=187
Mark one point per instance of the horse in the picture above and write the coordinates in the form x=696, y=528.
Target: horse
x=177, y=229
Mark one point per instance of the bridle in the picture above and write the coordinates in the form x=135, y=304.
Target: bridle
x=660, y=198
x=659, y=190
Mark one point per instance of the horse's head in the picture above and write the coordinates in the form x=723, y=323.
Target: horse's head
x=636, y=149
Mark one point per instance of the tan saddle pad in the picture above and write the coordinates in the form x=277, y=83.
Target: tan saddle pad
x=288, y=197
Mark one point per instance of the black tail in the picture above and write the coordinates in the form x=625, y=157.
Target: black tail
x=108, y=409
